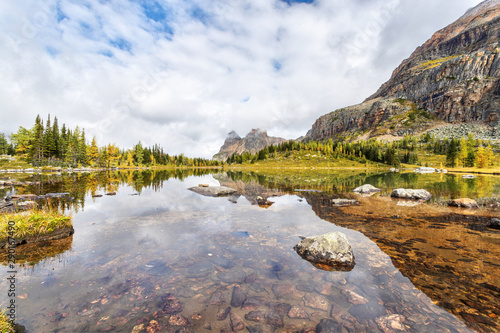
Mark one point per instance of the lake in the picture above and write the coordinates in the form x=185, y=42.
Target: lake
x=157, y=257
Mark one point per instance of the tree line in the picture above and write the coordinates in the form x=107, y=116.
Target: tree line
x=45, y=143
x=464, y=152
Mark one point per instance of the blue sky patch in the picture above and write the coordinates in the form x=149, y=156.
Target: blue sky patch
x=51, y=51
x=107, y=53
x=277, y=65
x=121, y=44
x=199, y=14
x=291, y=2
x=154, y=11
x=60, y=14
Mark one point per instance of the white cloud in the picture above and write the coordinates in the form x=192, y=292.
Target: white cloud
x=109, y=68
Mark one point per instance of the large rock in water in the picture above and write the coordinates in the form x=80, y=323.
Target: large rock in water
x=330, y=249
x=213, y=191
x=404, y=193
x=366, y=189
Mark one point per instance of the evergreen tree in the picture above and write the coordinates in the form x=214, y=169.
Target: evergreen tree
x=138, y=153
x=452, y=154
x=56, y=138
x=4, y=145
x=48, y=140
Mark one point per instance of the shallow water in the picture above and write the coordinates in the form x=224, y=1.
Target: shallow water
x=169, y=259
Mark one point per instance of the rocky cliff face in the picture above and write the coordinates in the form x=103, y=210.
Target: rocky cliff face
x=252, y=142
x=455, y=76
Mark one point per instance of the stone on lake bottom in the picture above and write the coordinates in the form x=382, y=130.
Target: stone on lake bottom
x=217, y=298
x=239, y=296
x=367, y=311
x=328, y=326
x=172, y=304
x=236, y=322
x=297, y=312
x=178, y=320
x=316, y=301
x=222, y=314
x=391, y=323
x=233, y=276
x=330, y=249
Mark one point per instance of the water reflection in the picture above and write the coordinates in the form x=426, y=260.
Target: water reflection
x=171, y=259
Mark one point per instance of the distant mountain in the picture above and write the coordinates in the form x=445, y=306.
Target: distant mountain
x=252, y=142
x=454, y=77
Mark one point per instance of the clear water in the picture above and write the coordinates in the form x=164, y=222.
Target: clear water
x=140, y=261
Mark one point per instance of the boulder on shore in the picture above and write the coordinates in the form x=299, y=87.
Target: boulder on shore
x=366, y=189
x=331, y=249
x=213, y=191
x=463, y=202
x=413, y=194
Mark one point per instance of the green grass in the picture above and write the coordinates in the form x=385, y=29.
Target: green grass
x=5, y=324
x=15, y=164
x=32, y=223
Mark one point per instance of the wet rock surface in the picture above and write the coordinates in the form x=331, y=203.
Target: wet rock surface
x=412, y=194
x=366, y=189
x=463, y=202
x=332, y=249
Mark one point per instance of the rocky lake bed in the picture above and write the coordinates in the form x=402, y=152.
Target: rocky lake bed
x=172, y=260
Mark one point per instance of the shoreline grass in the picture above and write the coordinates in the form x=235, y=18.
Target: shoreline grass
x=5, y=324
x=32, y=223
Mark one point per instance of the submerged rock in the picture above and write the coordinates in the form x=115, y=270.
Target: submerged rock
x=315, y=301
x=233, y=276
x=366, y=189
x=297, y=312
x=413, y=194
x=391, y=323
x=172, y=304
x=238, y=296
x=463, y=202
x=237, y=323
x=328, y=326
x=330, y=249
x=367, y=311
x=213, y=191
x=493, y=224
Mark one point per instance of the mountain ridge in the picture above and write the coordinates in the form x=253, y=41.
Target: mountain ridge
x=253, y=142
x=453, y=77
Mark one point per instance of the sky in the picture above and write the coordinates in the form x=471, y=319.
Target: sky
x=184, y=73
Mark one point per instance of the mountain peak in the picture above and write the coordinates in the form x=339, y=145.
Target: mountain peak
x=453, y=77
x=233, y=136
x=254, y=141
